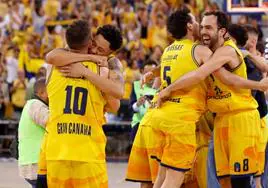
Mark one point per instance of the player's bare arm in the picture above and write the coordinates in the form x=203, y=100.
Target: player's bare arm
x=114, y=86
x=258, y=61
x=62, y=57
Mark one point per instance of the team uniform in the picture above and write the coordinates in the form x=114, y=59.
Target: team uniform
x=236, y=126
x=140, y=156
x=75, y=143
x=174, y=124
x=262, y=146
x=197, y=176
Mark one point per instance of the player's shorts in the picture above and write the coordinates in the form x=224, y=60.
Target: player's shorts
x=42, y=165
x=67, y=174
x=262, y=146
x=141, y=167
x=174, y=137
x=236, y=136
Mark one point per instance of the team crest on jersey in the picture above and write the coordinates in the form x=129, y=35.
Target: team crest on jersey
x=217, y=93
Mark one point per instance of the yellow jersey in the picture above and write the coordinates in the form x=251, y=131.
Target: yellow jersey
x=177, y=60
x=223, y=98
x=76, y=118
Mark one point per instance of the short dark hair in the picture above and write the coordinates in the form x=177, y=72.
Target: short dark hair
x=78, y=34
x=39, y=84
x=251, y=29
x=148, y=62
x=239, y=33
x=222, y=19
x=112, y=34
x=177, y=23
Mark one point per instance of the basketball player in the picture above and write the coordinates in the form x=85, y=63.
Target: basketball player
x=110, y=39
x=235, y=106
x=75, y=147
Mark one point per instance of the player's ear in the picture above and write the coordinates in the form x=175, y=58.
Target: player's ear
x=190, y=26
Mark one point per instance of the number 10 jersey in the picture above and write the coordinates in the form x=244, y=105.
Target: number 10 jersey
x=76, y=118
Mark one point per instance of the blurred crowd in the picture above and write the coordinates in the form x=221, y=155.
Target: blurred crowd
x=29, y=29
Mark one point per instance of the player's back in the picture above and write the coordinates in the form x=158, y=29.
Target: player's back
x=76, y=118
x=177, y=60
x=223, y=98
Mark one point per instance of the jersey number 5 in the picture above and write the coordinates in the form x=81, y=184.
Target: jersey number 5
x=167, y=78
x=79, y=107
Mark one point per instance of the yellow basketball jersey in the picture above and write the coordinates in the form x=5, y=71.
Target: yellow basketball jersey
x=76, y=118
x=177, y=60
x=223, y=98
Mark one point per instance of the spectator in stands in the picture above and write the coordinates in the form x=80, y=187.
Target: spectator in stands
x=141, y=97
x=31, y=131
x=4, y=97
x=18, y=93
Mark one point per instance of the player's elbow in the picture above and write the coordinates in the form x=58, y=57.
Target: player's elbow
x=50, y=57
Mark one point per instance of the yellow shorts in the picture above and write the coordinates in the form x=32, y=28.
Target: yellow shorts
x=42, y=163
x=262, y=146
x=236, y=136
x=174, y=139
x=141, y=167
x=68, y=174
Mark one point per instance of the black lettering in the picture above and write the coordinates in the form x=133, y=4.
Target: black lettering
x=237, y=167
x=245, y=165
x=73, y=131
x=77, y=128
x=70, y=128
x=85, y=129
x=59, y=128
x=65, y=128
x=89, y=131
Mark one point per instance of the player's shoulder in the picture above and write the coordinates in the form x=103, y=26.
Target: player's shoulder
x=201, y=53
x=226, y=50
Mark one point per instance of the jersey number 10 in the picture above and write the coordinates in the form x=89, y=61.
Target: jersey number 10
x=79, y=107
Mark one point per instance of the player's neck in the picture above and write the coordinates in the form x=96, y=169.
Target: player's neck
x=189, y=36
x=217, y=45
x=80, y=51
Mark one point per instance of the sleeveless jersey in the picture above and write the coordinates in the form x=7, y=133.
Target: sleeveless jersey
x=76, y=118
x=177, y=60
x=223, y=98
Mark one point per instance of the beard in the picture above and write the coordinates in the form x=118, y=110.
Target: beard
x=209, y=41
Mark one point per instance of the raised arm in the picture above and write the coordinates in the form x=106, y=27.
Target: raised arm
x=259, y=62
x=62, y=57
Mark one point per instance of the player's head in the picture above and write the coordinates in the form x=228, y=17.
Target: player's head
x=214, y=26
x=253, y=36
x=40, y=89
x=107, y=40
x=148, y=66
x=181, y=23
x=239, y=34
x=78, y=35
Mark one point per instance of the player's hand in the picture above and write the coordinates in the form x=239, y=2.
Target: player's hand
x=141, y=101
x=162, y=96
x=75, y=70
x=147, y=78
x=245, y=53
x=264, y=84
x=102, y=61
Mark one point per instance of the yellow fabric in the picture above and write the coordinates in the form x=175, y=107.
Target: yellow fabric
x=42, y=163
x=69, y=174
x=18, y=96
x=51, y=8
x=140, y=156
x=76, y=119
x=129, y=77
x=262, y=145
x=223, y=98
x=236, y=136
x=159, y=37
x=176, y=61
x=175, y=142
